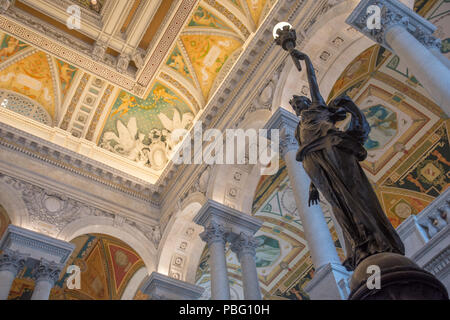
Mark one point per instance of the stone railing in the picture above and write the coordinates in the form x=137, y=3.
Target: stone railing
x=417, y=230
x=435, y=217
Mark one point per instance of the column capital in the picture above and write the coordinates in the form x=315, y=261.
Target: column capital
x=244, y=244
x=214, y=232
x=233, y=221
x=286, y=122
x=47, y=270
x=393, y=13
x=12, y=261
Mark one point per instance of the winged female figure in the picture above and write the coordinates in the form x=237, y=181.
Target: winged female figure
x=331, y=159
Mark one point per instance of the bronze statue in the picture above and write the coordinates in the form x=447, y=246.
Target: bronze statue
x=331, y=159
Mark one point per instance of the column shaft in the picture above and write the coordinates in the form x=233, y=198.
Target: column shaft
x=220, y=288
x=250, y=276
x=321, y=245
x=42, y=289
x=215, y=236
x=429, y=70
x=6, y=280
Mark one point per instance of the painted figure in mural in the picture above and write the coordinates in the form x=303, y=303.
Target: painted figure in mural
x=331, y=159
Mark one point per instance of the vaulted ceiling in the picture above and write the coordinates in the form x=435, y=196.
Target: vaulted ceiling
x=118, y=84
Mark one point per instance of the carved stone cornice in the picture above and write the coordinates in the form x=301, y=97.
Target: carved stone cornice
x=12, y=261
x=213, y=233
x=393, y=13
x=74, y=162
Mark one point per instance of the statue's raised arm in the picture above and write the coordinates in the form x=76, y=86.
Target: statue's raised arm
x=316, y=97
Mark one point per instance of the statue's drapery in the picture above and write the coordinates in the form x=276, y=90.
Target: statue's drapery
x=331, y=159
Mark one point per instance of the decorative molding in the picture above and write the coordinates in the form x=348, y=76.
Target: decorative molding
x=74, y=101
x=394, y=13
x=98, y=112
x=74, y=162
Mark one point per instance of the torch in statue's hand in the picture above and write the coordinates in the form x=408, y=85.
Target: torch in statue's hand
x=286, y=37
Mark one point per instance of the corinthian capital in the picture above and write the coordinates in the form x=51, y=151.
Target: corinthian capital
x=245, y=243
x=214, y=232
x=46, y=270
x=12, y=261
x=391, y=13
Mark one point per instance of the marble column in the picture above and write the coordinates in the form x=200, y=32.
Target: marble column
x=10, y=264
x=409, y=36
x=222, y=224
x=45, y=274
x=215, y=236
x=321, y=246
x=244, y=246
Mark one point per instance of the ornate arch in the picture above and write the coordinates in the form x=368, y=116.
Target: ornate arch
x=182, y=246
x=104, y=225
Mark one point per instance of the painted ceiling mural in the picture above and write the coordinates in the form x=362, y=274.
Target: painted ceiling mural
x=35, y=75
x=141, y=129
x=137, y=129
x=283, y=260
x=106, y=263
x=408, y=147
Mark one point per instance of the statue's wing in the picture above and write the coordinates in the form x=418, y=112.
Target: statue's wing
x=359, y=127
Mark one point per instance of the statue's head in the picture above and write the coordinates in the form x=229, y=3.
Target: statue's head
x=299, y=103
